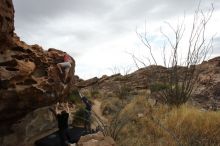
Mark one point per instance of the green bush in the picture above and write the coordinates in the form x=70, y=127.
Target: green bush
x=78, y=118
x=75, y=97
x=158, y=87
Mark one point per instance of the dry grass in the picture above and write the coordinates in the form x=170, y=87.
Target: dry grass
x=194, y=127
x=111, y=106
x=161, y=125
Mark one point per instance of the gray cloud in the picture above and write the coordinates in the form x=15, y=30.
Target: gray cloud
x=77, y=26
x=115, y=16
x=155, y=9
x=216, y=44
x=33, y=9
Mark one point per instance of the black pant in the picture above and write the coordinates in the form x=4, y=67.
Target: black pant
x=64, y=137
x=87, y=121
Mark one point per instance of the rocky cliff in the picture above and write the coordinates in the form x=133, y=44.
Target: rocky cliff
x=29, y=77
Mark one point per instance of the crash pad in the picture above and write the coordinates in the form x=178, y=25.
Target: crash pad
x=54, y=140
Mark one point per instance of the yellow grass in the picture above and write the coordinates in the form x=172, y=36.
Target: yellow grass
x=162, y=125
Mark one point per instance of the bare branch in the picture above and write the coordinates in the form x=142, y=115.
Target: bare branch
x=181, y=80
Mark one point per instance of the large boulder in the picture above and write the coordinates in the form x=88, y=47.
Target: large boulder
x=34, y=126
x=29, y=77
x=97, y=139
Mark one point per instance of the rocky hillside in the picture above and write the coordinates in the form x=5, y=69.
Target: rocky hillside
x=206, y=94
x=29, y=77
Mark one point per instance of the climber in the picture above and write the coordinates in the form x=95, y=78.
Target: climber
x=62, y=119
x=87, y=113
x=66, y=65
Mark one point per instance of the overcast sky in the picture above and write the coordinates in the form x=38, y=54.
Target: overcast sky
x=99, y=33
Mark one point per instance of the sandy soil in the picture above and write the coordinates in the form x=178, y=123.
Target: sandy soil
x=97, y=109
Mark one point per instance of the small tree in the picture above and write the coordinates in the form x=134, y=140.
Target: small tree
x=181, y=76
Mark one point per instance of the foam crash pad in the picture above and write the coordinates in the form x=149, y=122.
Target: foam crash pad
x=54, y=140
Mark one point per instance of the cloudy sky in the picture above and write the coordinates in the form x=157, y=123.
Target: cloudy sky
x=100, y=34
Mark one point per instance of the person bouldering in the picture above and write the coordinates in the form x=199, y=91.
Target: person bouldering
x=62, y=119
x=66, y=65
x=87, y=113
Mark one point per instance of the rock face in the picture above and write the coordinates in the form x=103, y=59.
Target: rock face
x=87, y=83
x=29, y=127
x=6, y=18
x=29, y=77
x=208, y=91
x=96, y=140
x=35, y=125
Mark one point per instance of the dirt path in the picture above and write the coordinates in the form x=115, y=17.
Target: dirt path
x=97, y=109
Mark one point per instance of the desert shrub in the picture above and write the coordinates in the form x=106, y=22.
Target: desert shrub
x=180, y=67
x=74, y=96
x=175, y=95
x=122, y=91
x=115, y=125
x=116, y=122
x=78, y=118
x=158, y=87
